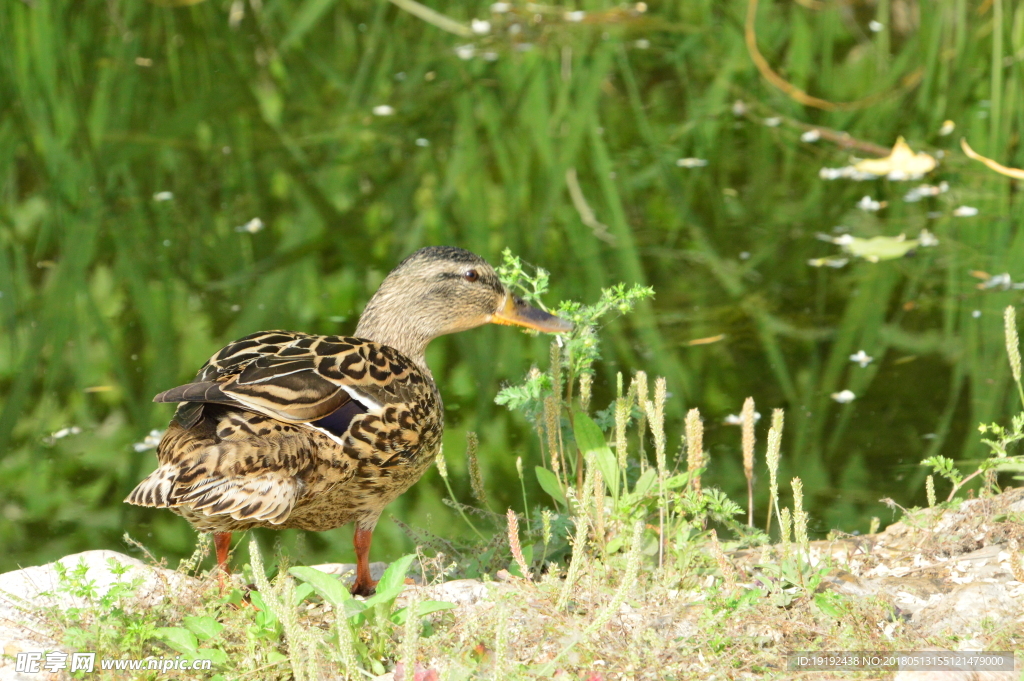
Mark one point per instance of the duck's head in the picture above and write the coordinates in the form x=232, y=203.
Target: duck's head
x=440, y=290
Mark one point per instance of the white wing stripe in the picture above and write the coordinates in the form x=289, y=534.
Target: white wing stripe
x=362, y=398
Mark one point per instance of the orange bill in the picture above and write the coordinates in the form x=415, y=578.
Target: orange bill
x=515, y=312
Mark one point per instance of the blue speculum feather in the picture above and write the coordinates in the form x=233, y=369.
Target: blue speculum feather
x=339, y=420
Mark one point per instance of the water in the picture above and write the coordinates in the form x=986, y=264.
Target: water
x=140, y=144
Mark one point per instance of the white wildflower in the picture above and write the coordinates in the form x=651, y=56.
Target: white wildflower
x=500, y=7
x=926, y=239
x=926, y=190
x=862, y=358
x=844, y=397
x=875, y=26
x=253, y=226
x=465, y=52
x=869, y=204
x=1002, y=281
x=383, y=110
x=846, y=172
x=576, y=16
x=947, y=128
x=480, y=26
x=811, y=136
x=691, y=162
x=163, y=196
x=64, y=432
x=965, y=212
x=773, y=122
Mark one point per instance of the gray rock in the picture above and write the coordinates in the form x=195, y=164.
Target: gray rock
x=26, y=596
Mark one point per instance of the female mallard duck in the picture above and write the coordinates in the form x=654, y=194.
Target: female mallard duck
x=283, y=429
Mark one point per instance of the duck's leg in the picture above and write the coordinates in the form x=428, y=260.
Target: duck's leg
x=222, y=542
x=364, y=585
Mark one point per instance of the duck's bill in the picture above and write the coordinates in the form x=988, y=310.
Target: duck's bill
x=517, y=313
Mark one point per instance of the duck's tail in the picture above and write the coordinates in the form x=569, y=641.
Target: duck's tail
x=156, y=490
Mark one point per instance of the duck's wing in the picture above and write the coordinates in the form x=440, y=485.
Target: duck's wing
x=237, y=463
x=297, y=378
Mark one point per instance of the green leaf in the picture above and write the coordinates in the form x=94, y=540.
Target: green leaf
x=384, y=596
x=302, y=592
x=354, y=608
x=179, y=638
x=395, y=574
x=392, y=582
x=677, y=481
x=214, y=655
x=591, y=442
x=203, y=627
x=256, y=598
x=274, y=657
x=328, y=586
x=645, y=482
x=549, y=483
x=826, y=603
x=425, y=608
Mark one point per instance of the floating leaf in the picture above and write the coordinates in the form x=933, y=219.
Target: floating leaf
x=902, y=163
x=706, y=341
x=875, y=249
x=834, y=263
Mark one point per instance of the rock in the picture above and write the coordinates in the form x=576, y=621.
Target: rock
x=459, y=592
x=964, y=609
x=27, y=594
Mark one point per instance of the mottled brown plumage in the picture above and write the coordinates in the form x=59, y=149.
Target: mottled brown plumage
x=289, y=430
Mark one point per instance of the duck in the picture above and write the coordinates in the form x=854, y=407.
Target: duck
x=282, y=429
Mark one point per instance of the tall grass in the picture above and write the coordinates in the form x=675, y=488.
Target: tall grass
x=109, y=296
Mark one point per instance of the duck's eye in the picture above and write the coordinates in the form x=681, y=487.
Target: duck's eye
x=471, y=275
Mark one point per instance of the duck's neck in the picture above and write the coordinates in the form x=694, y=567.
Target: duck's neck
x=399, y=331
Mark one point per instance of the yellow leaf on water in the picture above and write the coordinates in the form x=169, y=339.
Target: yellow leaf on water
x=902, y=162
x=1015, y=173
x=706, y=341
